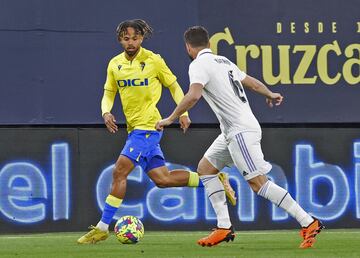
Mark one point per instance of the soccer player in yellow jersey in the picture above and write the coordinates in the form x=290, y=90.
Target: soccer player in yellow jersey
x=138, y=75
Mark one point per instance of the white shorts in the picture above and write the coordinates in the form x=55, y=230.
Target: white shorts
x=243, y=150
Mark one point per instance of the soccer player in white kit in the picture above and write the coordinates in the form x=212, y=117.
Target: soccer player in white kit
x=221, y=83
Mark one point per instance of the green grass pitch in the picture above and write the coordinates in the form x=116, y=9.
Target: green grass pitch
x=282, y=243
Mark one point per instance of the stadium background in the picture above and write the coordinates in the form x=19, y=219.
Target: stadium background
x=55, y=155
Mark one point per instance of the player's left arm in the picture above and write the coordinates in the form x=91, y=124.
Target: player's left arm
x=189, y=100
x=257, y=86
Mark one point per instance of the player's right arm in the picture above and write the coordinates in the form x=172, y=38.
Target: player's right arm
x=168, y=79
x=198, y=79
x=257, y=86
x=189, y=100
x=107, y=100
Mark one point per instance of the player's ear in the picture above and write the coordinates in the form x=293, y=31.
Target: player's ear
x=187, y=47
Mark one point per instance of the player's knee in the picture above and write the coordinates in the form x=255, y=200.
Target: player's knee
x=257, y=182
x=119, y=172
x=200, y=170
x=123, y=167
x=206, y=168
x=202, y=167
x=255, y=187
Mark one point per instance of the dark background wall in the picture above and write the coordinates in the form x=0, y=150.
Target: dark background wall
x=54, y=55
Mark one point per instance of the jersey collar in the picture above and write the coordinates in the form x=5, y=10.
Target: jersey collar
x=204, y=51
x=141, y=51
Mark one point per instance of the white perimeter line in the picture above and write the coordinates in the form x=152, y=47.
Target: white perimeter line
x=171, y=233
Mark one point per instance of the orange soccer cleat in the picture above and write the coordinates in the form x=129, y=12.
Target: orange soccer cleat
x=309, y=233
x=217, y=236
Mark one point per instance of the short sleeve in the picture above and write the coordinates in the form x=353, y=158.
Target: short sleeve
x=241, y=74
x=197, y=74
x=164, y=74
x=110, y=83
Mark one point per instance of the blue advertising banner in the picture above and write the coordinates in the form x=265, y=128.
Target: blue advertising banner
x=54, y=55
x=60, y=178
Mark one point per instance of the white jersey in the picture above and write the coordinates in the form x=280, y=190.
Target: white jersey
x=224, y=92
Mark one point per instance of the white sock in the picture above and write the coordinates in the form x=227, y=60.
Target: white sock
x=102, y=226
x=280, y=197
x=216, y=193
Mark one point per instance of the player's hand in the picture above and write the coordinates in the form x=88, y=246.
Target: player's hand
x=274, y=97
x=162, y=123
x=110, y=121
x=184, y=123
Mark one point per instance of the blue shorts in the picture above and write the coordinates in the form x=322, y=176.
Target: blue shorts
x=143, y=148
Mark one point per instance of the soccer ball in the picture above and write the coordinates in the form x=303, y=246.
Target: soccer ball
x=129, y=230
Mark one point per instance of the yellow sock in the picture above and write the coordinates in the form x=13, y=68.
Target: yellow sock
x=193, y=179
x=113, y=201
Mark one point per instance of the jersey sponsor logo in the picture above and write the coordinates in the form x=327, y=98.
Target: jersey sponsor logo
x=133, y=82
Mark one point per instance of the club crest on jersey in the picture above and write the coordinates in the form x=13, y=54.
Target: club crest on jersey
x=119, y=67
x=142, y=65
x=133, y=82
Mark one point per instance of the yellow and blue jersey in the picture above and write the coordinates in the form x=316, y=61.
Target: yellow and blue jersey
x=139, y=83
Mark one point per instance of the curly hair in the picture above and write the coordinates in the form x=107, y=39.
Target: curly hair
x=140, y=27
